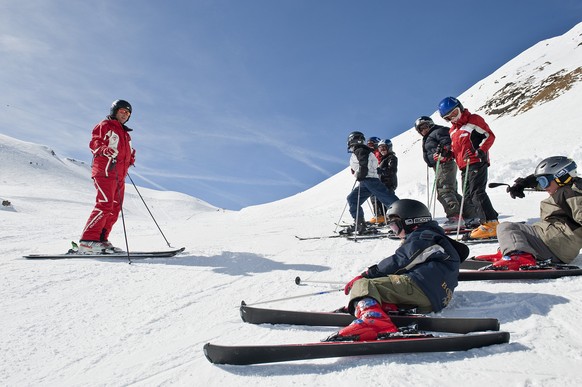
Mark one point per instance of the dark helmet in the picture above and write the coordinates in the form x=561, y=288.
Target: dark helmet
x=373, y=142
x=423, y=120
x=386, y=142
x=559, y=168
x=354, y=139
x=119, y=104
x=448, y=104
x=407, y=214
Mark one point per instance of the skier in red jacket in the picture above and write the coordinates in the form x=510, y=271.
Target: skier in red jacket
x=471, y=139
x=112, y=156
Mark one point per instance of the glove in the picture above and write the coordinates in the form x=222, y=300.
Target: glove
x=350, y=284
x=360, y=176
x=516, y=190
x=446, y=152
x=438, y=156
x=479, y=153
x=132, y=159
x=109, y=152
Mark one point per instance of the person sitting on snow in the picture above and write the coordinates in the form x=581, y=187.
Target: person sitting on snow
x=558, y=235
x=422, y=273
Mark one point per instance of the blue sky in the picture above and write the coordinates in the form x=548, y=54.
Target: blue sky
x=243, y=102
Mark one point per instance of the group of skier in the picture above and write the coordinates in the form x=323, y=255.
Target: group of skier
x=423, y=272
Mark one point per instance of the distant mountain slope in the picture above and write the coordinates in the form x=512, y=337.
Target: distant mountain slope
x=31, y=171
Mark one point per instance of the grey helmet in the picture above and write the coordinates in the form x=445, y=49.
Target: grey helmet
x=559, y=168
x=386, y=142
x=408, y=214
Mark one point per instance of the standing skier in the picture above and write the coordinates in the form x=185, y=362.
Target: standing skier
x=422, y=273
x=387, y=170
x=377, y=207
x=557, y=236
x=471, y=139
x=112, y=156
x=436, y=147
x=364, y=166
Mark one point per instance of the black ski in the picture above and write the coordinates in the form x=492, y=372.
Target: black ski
x=377, y=235
x=132, y=255
x=474, y=264
x=254, y=315
x=541, y=272
x=468, y=240
x=320, y=237
x=255, y=354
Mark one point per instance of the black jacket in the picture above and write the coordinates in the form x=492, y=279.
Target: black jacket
x=438, y=135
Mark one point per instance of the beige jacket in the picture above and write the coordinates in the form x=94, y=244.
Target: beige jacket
x=560, y=225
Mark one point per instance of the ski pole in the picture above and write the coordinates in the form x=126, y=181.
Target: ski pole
x=495, y=185
x=146, y=206
x=463, y=198
x=357, y=214
x=433, y=195
x=427, y=191
x=299, y=281
x=299, y=296
x=119, y=200
x=344, y=210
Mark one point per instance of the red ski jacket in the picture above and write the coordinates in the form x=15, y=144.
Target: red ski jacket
x=110, y=133
x=470, y=133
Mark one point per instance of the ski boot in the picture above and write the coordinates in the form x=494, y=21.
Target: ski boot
x=485, y=231
x=515, y=261
x=370, y=321
x=94, y=247
x=490, y=257
x=378, y=220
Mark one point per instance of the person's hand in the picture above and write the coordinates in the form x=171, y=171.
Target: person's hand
x=446, y=152
x=360, y=176
x=350, y=284
x=481, y=154
x=441, y=157
x=132, y=159
x=516, y=190
x=109, y=152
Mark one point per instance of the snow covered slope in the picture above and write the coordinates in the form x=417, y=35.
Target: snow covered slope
x=104, y=322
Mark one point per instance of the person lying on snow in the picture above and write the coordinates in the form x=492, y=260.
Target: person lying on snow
x=557, y=236
x=422, y=273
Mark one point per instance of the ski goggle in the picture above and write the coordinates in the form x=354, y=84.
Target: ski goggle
x=453, y=114
x=396, y=225
x=545, y=180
